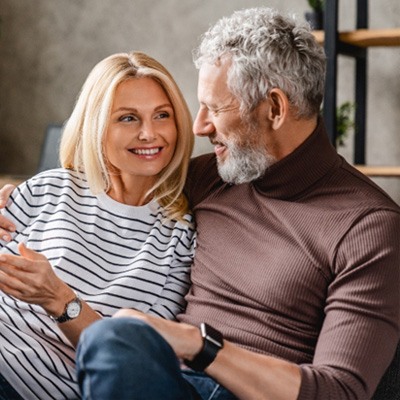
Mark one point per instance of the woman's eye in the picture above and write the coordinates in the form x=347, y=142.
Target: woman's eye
x=163, y=115
x=126, y=118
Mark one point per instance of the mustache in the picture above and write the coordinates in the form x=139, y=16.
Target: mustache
x=215, y=141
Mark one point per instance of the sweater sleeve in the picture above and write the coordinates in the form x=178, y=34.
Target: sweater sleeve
x=361, y=327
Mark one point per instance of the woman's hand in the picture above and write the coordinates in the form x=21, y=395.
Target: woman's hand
x=30, y=278
x=6, y=226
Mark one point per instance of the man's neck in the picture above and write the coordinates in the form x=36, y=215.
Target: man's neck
x=291, y=135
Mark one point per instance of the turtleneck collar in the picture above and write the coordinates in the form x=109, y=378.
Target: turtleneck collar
x=306, y=165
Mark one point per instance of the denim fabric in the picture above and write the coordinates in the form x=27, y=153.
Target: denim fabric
x=206, y=387
x=125, y=359
x=7, y=392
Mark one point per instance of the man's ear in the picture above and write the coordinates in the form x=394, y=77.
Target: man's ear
x=279, y=107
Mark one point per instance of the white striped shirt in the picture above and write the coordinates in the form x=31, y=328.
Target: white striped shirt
x=111, y=254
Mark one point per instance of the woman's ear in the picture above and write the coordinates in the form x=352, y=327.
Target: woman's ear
x=279, y=107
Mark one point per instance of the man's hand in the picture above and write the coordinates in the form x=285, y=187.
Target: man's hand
x=184, y=339
x=246, y=374
x=6, y=226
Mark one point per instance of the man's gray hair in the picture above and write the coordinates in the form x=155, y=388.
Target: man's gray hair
x=267, y=50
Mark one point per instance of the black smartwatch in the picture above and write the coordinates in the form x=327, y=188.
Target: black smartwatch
x=213, y=342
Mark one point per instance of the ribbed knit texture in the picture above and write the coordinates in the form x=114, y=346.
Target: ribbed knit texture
x=111, y=254
x=302, y=264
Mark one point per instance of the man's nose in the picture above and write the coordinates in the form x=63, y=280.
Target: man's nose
x=202, y=125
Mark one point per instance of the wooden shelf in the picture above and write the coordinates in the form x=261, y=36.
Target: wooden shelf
x=379, y=171
x=366, y=37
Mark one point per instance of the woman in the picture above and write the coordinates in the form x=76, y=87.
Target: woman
x=110, y=229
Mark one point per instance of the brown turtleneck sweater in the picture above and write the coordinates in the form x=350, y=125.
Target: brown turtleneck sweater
x=302, y=264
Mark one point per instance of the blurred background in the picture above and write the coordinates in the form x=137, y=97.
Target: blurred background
x=47, y=48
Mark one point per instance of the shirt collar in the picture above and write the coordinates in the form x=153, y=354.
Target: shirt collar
x=297, y=172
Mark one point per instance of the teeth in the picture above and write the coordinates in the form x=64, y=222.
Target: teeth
x=146, y=152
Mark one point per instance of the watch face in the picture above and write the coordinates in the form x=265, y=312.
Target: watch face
x=73, y=309
x=211, y=334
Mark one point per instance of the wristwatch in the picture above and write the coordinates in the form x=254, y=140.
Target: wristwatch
x=71, y=311
x=213, y=342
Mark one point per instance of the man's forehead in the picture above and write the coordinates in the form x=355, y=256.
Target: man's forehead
x=213, y=81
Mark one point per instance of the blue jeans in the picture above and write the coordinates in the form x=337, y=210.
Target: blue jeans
x=7, y=392
x=126, y=359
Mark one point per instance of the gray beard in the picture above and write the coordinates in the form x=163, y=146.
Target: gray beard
x=244, y=164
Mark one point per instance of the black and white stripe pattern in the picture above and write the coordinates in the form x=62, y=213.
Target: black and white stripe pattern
x=112, y=254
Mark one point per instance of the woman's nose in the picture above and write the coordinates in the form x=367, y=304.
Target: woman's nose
x=147, y=133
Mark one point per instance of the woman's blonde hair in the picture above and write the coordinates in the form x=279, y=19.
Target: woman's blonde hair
x=81, y=146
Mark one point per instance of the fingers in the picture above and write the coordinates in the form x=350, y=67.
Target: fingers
x=5, y=193
x=29, y=261
x=10, y=275
x=27, y=280
x=132, y=313
x=30, y=254
x=13, y=288
x=26, y=253
x=5, y=228
x=127, y=312
x=18, y=288
x=13, y=265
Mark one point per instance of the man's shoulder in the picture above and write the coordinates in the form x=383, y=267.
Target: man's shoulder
x=203, y=161
x=367, y=192
x=202, y=166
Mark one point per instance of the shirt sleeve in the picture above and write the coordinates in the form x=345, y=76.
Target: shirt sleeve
x=171, y=300
x=360, y=332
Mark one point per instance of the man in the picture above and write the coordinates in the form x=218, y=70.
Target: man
x=296, y=273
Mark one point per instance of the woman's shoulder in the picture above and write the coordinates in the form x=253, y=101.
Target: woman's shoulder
x=62, y=176
x=56, y=180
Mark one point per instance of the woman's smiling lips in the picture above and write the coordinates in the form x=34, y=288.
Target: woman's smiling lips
x=146, y=152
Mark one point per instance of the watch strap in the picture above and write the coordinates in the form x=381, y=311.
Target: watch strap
x=212, y=344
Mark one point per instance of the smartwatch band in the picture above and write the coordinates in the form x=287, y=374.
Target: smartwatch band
x=212, y=343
